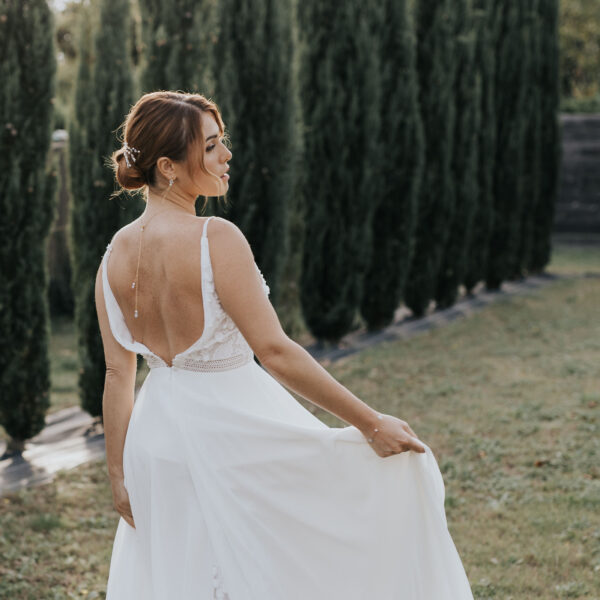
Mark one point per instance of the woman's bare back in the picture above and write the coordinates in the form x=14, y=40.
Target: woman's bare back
x=169, y=285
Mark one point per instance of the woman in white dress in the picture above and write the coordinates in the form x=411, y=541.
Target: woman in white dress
x=227, y=486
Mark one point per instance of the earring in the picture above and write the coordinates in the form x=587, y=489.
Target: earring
x=171, y=182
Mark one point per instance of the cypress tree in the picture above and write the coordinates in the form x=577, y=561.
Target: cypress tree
x=532, y=154
x=511, y=88
x=103, y=96
x=436, y=69
x=549, y=136
x=485, y=66
x=464, y=157
x=178, y=38
x=401, y=169
x=27, y=202
x=288, y=304
x=340, y=90
x=256, y=93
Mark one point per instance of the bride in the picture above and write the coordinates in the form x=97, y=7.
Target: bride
x=226, y=486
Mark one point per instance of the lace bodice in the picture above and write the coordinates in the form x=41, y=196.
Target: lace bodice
x=221, y=345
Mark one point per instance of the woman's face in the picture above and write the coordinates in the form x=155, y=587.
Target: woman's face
x=216, y=156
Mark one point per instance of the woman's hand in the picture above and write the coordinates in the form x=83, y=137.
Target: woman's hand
x=393, y=436
x=121, y=501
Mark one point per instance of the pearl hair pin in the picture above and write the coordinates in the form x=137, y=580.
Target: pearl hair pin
x=129, y=152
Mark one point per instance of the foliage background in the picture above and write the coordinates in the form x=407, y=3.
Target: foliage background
x=580, y=55
x=579, y=50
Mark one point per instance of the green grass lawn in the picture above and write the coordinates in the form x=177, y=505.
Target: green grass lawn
x=580, y=257
x=509, y=401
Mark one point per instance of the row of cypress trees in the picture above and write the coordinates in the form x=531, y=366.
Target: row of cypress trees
x=341, y=90
x=403, y=145
x=481, y=212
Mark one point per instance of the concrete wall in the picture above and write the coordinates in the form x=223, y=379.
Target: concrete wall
x=578, y=205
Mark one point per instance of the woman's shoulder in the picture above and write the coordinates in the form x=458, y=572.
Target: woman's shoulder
x=124, y=233
x=219, y=222
x=228, y=241
x=223, y=228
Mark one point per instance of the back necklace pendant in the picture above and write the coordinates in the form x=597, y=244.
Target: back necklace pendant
x=137, y=270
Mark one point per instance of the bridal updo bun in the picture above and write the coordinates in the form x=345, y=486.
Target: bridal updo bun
x=129, y=177
x=162, y=123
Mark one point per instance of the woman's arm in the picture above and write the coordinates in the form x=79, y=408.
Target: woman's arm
x=295, y=368
x=240, y=291
x=117, y=401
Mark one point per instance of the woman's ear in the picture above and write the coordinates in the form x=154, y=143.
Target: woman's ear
x=166, y=168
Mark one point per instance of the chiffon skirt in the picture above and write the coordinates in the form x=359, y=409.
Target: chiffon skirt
x=239, y=493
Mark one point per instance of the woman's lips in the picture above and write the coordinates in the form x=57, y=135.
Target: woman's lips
x=225, y=177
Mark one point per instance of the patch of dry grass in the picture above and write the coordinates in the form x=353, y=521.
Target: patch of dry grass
x=56, y=539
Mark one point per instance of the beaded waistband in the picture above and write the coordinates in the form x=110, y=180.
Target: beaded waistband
x=190, y=364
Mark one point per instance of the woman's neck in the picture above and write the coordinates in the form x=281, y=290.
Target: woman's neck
x=169, y=200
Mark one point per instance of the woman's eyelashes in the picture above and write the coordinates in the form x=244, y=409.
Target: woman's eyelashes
x=209, y=148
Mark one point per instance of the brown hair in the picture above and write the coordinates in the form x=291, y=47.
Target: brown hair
x=163, y=123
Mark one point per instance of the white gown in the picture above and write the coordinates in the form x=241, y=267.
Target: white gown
x=239, y=493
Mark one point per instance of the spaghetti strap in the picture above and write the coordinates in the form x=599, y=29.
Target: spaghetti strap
x=205, y=225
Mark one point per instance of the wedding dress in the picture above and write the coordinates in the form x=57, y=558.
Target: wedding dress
x=240, y=493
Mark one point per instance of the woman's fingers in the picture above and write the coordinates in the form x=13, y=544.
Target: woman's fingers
x=123, y=507
x=416, y=445
x=121, y=501
x=128, y=516
x=129, y=519
x=410, y=430
x=412, y=443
